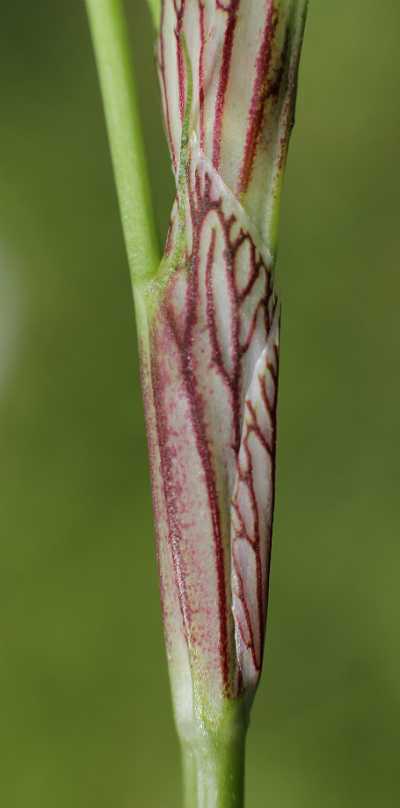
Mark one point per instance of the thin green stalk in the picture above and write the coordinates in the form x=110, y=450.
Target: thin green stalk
x=110, y=40
x=213, y=762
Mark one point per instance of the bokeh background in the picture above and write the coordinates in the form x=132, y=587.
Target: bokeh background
x=86, y=715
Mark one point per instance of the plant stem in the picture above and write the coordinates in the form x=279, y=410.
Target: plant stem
x=213, y=751
x=213, y=764
x=110, y=41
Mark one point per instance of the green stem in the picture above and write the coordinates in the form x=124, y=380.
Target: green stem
x=110, y=40
x=213, y=764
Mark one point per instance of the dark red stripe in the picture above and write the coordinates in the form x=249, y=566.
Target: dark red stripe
x=201, y=75
x=257, y=102
x=223, y=79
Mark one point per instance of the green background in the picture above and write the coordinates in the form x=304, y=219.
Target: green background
x=86, y=715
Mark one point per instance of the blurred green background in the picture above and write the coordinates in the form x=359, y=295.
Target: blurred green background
x=86, y=715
